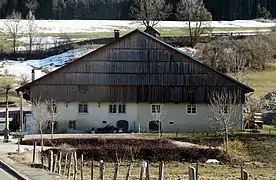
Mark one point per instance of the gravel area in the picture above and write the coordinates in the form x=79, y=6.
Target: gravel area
x=84, y=136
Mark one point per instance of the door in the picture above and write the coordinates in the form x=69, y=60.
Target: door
x=154, y=125
x=123, y=124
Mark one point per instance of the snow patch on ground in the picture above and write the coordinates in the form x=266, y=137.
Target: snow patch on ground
x=18, y=68
x=73, y=26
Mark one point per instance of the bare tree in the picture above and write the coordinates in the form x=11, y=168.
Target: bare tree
x=53, y=114
x=150, y=12
x=223, y=108
x=24, y=78
x=7, y=84
x=12, y=25
x=32, y=5
x=194, y=10
x=158, y=115
x=31, y=29
x=45, y=114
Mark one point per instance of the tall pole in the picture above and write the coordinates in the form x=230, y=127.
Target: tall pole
x=6, y=131
x=21, y=111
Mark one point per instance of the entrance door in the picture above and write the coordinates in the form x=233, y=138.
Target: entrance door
x=154, y=125
x=123, y=124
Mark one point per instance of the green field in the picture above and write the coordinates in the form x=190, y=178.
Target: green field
x=263, y=81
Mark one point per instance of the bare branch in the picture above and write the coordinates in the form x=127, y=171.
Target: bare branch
x=12, y=26
x=31, y=29
x=194, y=10
x=150, y=12
x=223, y=107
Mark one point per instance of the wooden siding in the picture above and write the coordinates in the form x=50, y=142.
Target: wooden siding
x=135, y=69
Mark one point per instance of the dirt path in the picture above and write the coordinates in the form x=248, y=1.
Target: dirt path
x=187, y=144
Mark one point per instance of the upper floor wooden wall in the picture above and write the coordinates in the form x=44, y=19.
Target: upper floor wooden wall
x=135, y=68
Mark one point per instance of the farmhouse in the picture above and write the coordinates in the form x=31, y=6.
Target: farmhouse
x=132, y=83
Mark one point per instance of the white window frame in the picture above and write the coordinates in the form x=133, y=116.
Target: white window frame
x=171, y=122
x=117, y=108
x=156, y=108
x=190, y=108
x=121, y=108
x=112, y=108
x=72, y=121
x=81, y=111
x=223, y=109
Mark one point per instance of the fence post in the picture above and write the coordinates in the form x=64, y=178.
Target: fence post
x=75, y=165
x=50, y=160
x=161, y=170
x=101, y=170
x=59, y=163
x=42, y=160
x=55, y=163
x=65, y=164
x=245, y=175
x=129, y=171
x=192, y=173
x=196, y=169
x=116, y=170
x=143, y=170
x=148, y=171
x=69, y=166
x=34, y=152
x=92, y=171
x=241, y=170
x=81, y=166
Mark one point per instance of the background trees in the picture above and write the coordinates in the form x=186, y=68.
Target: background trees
x=120, y=9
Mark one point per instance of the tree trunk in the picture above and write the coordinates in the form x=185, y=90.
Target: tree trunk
x=226, y=141
x=41, y=138
x=14, y=44
x=30, y=43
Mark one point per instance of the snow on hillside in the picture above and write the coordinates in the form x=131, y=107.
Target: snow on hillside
x=69, y=26
x=18, y=68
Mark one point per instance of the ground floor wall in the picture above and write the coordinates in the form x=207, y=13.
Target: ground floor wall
x=138, y=116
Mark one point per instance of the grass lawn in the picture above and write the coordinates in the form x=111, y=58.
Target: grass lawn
x=263, y=81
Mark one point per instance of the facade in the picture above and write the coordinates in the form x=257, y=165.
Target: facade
x=132, y=83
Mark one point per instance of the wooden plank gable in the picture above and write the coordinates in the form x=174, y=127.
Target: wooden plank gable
x=135, y=68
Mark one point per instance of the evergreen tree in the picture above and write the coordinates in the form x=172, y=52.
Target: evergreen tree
x=262, y=12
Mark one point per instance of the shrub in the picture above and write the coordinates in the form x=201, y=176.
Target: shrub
x=236, y=150
x=126, y=149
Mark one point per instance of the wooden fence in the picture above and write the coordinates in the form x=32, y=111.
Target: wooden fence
x=67, y=164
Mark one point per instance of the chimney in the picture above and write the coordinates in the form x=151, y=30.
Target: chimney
x=33, y=74
x=116, y=35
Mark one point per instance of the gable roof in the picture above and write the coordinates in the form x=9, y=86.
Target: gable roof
x=245, y=87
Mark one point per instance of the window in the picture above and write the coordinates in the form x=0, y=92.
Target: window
x=104, y=122
x=121, y=108
x=171, y=123
x=191, y=109
x=82, y=88
x=156, y=108
x=72, y=124
x=83, y=108
x=117, y=108
x=223, y=109
x=112, y=108
x=55, y=124
x=52, y=106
